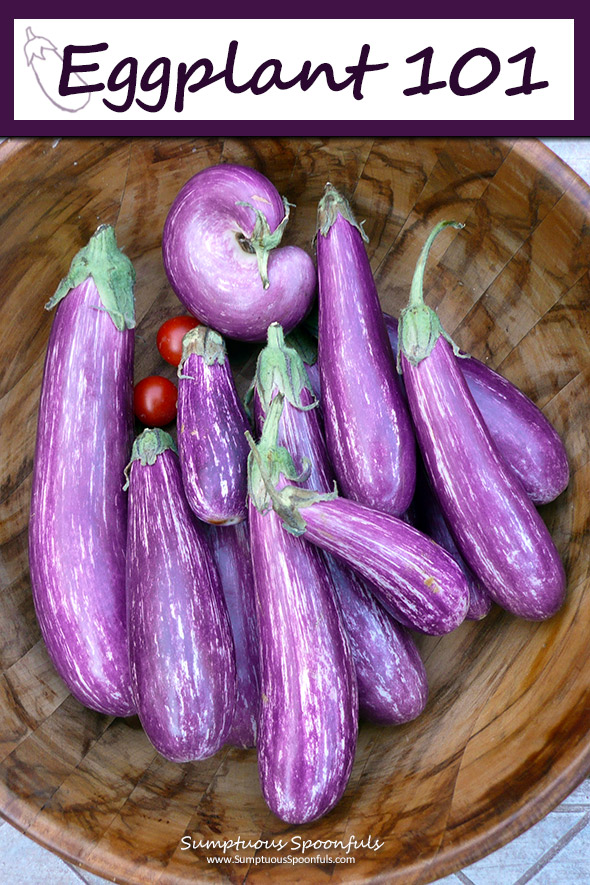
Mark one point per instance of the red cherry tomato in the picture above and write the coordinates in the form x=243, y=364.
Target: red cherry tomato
x=170, y=335
x=154, y=401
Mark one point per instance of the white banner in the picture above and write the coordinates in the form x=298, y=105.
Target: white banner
x=317, y=70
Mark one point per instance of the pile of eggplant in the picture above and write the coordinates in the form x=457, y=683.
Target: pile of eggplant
x=255, y=582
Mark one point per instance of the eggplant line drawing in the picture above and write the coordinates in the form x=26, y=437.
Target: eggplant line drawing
x=45, y=60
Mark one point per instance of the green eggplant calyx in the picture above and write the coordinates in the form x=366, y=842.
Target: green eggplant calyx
x=204, y=342
x=419, y=326
x=146, y=448
x=262, y=240
x=280, y=369
x=331, y=206
x=267, y=462
x=112, y=272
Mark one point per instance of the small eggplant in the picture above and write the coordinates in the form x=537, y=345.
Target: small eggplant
x=495, y=525
x=180, y=643
x=211, y=426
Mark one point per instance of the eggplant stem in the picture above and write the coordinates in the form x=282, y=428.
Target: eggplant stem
x=417, y=289
x=272, y=461
x=330, y=207
x=146, y=448
x=205, y=343
x=419, y=326
x=279, y=368
x=112, y=272
x=262, y=240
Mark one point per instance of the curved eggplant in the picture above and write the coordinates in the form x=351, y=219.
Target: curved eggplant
x=211, y=426
x=78, y=523
x=415, y=579
x=180, y=643
x=231, y=549
x=495, y=525
x=527, y=441
x=392, y=683
x=368, y=429
x=220, y=253
x=307, y=726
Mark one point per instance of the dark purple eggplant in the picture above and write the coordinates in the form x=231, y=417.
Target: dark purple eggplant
x=309, y=704
x=368, y=429
x=415, y=579
x=211, y=426
x=495, y=525
x=78, y=523
x=231, y=549
x=391, y=678
x=527, y=441
x=180, y=643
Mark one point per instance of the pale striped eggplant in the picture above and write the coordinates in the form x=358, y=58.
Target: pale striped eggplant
x=78, y=521
x=211, y=426
x=525, y=438
x=180, y=642
x=495, y=525
x=368, y=430
x=309, y=703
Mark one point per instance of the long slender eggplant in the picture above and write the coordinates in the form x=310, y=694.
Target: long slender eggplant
x=368, y=429
x=415, y=579
x=495, y=525
x=211, y=427
x=220, y=253
x=78, y=523
x=309, y=704
x=527, y=441
x=231, y=549
x=180, y=642
x=391, y=678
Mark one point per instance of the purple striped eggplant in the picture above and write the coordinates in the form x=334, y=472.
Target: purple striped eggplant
x=220, y=253
x=495, y=525
x=392, y=682
x=527, y=441
x=429, y=518
x=391, y=678
x=211, y=426
x=368, y=429
x=307, y=725
x=180, y=643
x=415, y=579
x=78, y=522
x=231, y=550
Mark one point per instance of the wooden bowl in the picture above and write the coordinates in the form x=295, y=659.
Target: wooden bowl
x=505, y=734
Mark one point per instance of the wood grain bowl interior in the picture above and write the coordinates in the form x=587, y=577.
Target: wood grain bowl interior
x=505, y=735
